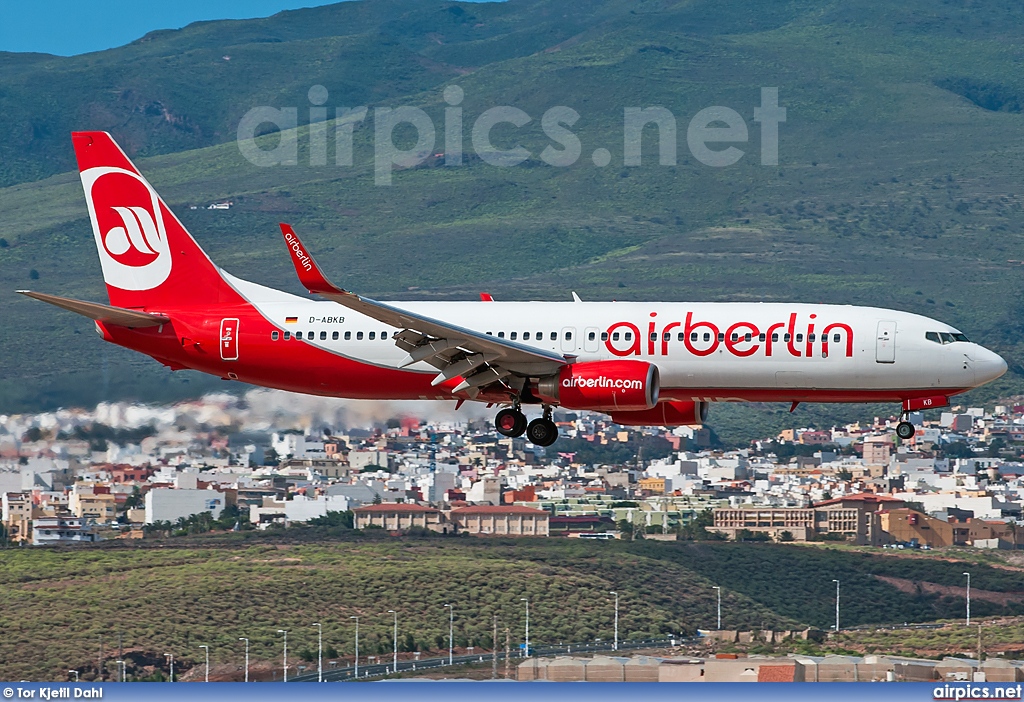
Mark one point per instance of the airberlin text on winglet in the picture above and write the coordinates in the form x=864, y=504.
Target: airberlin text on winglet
x=300, y=255
x=740, y=339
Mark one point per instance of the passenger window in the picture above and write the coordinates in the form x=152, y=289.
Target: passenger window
x=604, y=336
x=591, y=336
x=693, y=336
x=707, y=336
x=721, y=336
x=666, y=336
x=373, y=335
x=786, y=338
x=761, y=337
x=501, y=335
x=512, y=336
x=628, y=336
x=311, y=336
x=836, y=338
x=615, y=336
x=323, y=336
x=334, y=336
x=747, y=337
x=539, y=336
x=568, y=336
x=554, y=336
x=735, y=336
x=654, y=336
x=526, y=336
x=810, y=338
x=384, y=336
x=298, y=335
x=287, y=335
x=799, y=338
x=359, y=336
x=273, y=335
x=348, y=335
x=775, y=337
x=490, y=333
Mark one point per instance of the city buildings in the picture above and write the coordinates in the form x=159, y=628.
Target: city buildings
x=273, y=459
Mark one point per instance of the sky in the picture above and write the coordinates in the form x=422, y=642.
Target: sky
x=69, y=27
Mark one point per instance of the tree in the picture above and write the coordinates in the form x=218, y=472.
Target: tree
x=625, y=528
x=3, y=243
x=33, y=274
x=786, y=536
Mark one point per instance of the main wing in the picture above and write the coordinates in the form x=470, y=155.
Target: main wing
x=480, y=360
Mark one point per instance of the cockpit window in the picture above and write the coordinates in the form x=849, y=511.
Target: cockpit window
x=945, y=337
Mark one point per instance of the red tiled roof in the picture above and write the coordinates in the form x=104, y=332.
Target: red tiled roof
x=865, y=497
x=499, y=509
x=391, y=507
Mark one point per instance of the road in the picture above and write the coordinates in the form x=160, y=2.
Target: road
x=381, y=669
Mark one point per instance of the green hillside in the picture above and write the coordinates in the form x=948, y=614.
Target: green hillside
x=898, y=184
x=173, y=595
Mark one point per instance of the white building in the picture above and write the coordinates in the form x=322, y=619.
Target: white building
x=61, y=530
x=297, y=446
x=168, y=505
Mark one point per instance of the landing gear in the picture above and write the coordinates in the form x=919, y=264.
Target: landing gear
x=542, y=431
x=510, y=422
x=905, y=430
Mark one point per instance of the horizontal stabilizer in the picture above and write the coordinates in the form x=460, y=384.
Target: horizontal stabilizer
x=100, y=312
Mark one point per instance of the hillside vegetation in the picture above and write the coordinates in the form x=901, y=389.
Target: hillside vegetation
x=173, y=595
x=898, y=183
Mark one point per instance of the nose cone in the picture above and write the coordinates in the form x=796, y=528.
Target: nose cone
x=988, y=366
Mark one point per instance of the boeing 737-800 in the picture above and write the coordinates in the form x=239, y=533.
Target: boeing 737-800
x=643, y=363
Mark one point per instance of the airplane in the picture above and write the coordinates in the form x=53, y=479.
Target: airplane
x=642, y=363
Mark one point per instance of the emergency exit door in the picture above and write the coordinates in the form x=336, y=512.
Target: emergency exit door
x=229, y=339
x=885, y=343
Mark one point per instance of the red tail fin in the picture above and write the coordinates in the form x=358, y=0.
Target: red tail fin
x=149, y=259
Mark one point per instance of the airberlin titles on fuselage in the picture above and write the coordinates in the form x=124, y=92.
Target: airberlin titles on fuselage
x=741, y=339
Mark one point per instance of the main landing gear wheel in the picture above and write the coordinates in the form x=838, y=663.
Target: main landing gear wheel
x=510, y=422
x=542, y=432
x=905, y=430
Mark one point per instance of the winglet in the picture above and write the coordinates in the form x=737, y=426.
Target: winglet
x=310, y=275
x=575, y=297
x=486, y=297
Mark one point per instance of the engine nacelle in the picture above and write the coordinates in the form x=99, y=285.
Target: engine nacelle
x=665, y=414
x=602, y=386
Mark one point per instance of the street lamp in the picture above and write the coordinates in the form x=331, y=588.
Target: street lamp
x=120, y=670
x=395, y=659
x=282, y=631
x=207, y=649
x=242, y=638
x=75, y=672
x=837, y=604
x=968, y=598
x=451, y=629
x=719, y=588
x=319, y=652
x=357, y=645
x=526, y=652
x=615, y=646
x=171, y=656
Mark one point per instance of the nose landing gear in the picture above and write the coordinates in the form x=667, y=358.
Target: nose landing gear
x=905, y=430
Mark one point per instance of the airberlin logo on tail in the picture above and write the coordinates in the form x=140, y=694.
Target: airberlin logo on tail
x=129, y=228
x=300, y=255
